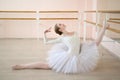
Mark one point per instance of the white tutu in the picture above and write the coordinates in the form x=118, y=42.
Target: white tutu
x=85, y=61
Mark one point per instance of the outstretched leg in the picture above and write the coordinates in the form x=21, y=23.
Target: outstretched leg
x=102, y=32
x=36, y=65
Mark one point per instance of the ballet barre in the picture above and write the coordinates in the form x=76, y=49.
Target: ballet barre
x=2, y=11
x=58, y=18
x=58, y=11
x=17, y=18
x=113, y=21
x=39, y=19
x=37, y=13
x=111, y=29
x=109, y=11
x=17, y=11
x=107, y=21
x=114, y=18
x=103, y=11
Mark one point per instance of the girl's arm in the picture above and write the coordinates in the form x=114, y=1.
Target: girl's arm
x=50, y=41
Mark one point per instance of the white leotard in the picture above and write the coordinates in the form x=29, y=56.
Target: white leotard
x=72, y=42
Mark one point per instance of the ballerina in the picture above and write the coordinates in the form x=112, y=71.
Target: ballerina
x=68, y=55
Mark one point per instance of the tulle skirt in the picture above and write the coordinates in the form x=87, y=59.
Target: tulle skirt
x=85, y=61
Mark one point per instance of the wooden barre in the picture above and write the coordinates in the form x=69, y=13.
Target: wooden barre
x=109, y=11
x=111, y=29
x=113, y=21
x=17, y=11
x=17, y=18
x=39, y=11
x=58, y=11
x=58, y=18
x=90, y=11
x=103, y=11
x=39, y=19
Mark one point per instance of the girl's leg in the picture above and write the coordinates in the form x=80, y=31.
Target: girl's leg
x=36, y=65
x=102, y=32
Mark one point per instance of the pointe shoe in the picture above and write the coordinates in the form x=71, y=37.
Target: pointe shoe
x=17, y=67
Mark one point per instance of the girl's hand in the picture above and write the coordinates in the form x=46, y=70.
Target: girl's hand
x=48, y=30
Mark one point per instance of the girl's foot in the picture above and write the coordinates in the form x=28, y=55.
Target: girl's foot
x=18, y=67
x=105, y=24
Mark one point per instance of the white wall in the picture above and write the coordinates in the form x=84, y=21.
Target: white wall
x=39, y=4
x=28, y=29
x=109, y=4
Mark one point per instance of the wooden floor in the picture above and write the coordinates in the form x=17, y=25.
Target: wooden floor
x=19, y=51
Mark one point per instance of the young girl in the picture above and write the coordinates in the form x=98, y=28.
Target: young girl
x=69, y=55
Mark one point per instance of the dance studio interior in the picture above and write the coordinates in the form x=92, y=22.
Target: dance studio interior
x=22, y=25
